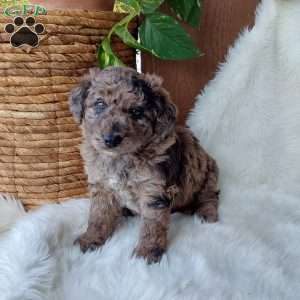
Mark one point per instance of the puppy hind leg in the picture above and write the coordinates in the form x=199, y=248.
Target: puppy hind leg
x=207, y=199
x=207, y=207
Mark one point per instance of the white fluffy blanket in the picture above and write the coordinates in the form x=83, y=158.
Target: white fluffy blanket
x=249, y=119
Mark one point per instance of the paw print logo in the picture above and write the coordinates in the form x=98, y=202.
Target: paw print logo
x=24, y=33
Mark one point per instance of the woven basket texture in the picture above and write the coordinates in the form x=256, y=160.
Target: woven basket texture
x=39, y=141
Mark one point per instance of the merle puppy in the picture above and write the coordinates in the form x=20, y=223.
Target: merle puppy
x=137, y=159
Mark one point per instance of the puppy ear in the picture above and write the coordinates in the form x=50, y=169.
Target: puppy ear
x=166, y=109
x=158, y=100
x=77, y=99
x=154, y=81
x=167, y=114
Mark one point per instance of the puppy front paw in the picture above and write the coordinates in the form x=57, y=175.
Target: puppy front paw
x=151, y=253
x=89, y=242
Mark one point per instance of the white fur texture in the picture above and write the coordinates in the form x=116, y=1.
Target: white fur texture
x=249, y=119
x=10, y=211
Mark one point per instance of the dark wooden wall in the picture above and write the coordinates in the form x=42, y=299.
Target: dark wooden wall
x=221, y=24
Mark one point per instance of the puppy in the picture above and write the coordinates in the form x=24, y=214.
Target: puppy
x=137, y=159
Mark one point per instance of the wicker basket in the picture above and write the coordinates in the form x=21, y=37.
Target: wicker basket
x=39, y=154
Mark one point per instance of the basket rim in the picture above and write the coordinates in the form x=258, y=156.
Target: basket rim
x=69, y=11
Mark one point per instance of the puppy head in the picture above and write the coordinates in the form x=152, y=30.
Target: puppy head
x=121, y=110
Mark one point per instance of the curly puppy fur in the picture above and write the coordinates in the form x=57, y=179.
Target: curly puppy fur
x=137, y=160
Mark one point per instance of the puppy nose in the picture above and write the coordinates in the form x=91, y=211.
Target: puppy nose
x=112, y=140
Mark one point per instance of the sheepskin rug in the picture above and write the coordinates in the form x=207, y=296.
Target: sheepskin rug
x=249, y=119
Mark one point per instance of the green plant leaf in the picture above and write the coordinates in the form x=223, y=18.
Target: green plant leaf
x=123, y=33
x=166, y=38
x=106, y=56
x=189, y=11
x=127, y=6
x=149, y=6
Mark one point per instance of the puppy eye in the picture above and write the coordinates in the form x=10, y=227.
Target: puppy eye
x=136, y=113
x=100, y=106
